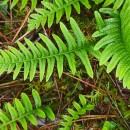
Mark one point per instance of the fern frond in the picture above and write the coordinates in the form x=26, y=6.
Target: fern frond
x=45, y=58
x=23, y=111
x=23, y=3
x=117, y=3
x=58, y=8
x=116, y=39
x=75, y=113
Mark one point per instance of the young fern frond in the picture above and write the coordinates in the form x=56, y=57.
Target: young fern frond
x=75, y=113
x=23, y=111
x=115, y=38
x=38, y=55
x=23, y=4
x=58, y=8
x=117, y=3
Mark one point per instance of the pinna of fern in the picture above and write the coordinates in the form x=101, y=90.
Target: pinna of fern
x=45, y=58
x=115, y=41
x=117, y=3
x=23, y=3
x=58, y=8
x=23, y=111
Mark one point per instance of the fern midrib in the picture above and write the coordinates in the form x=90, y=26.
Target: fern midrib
x=46, y=57
x=31, y=112
x=64, y=5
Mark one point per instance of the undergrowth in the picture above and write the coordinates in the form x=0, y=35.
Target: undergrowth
x=64, y=64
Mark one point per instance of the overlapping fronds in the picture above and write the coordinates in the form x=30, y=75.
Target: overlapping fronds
x=58, y=8
x=23, y=3
x=45, y=58
x=115, y=41
x=23, y=110
x=117, y=3
x=75, y=113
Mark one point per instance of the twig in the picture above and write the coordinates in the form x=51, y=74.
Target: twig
x=3, y=36
x=3, y=85
x=93, y=86
x=10, y=17
x=88, y=117
x=22, y=36
x=95, y=117
x=13, y=21
x=22, y=24
x=119, y=112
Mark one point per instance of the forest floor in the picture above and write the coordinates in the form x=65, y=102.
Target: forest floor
x=111, y=101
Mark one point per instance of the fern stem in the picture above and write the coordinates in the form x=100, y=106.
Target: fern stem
x=50, y=56
x=25, y=115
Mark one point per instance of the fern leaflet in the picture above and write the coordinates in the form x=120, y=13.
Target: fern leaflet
x=23, y=4
x=117, y=3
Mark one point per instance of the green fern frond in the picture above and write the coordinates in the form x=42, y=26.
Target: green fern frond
x=58, y=8
x=23, y=3
x=23, y=111
x=75, y=113
x=45, y=58
x=117, y=3
x=116, y=39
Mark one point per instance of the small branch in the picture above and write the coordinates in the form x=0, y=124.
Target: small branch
x=118, y=110
x=93, y=86
x=22, y=24
x=85, y=118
